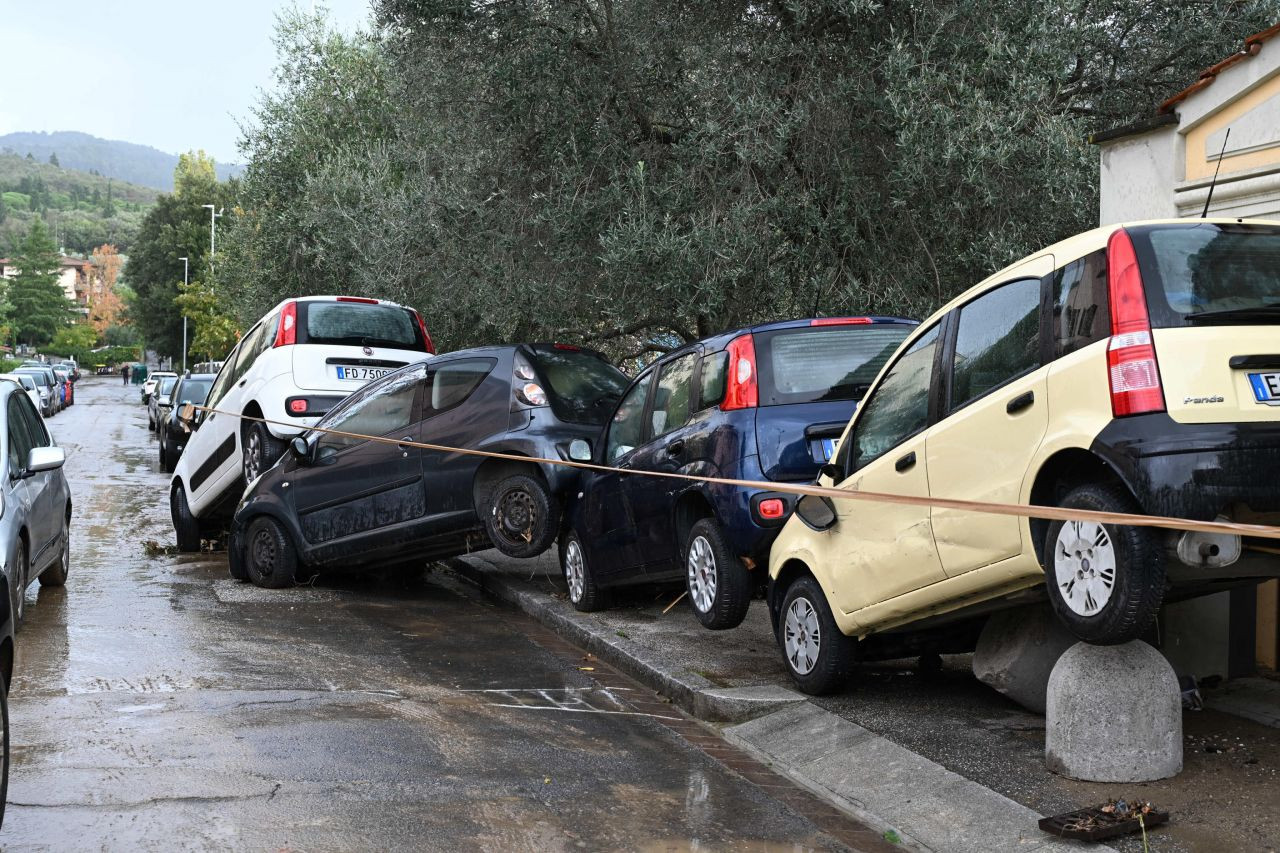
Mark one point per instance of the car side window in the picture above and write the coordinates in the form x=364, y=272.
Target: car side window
x=452, y=383
x=250, y=347
x=898, y=407
x=715, y=373
x=18, y=438
x=223, y=381
x=378, y=411
x=626, y=429
x=673, y=401
x=35, y=425
x=997, y=340
x=1081, y=308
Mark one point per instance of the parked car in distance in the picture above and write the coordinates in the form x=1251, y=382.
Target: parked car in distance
x=337, y=500
x=296, y=363
x=35, y=523
x=149, y=384
x=29, y=385
x=764, y=403
x=66, y=383
x=159, y=404
x=1128, y=369
x=47, y=385
x=172, y=431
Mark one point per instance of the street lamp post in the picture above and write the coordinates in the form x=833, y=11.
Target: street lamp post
x=213, y=221
x=184, y=317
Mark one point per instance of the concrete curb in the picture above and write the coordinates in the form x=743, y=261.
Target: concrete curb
x=888, y=786
x=690, y=691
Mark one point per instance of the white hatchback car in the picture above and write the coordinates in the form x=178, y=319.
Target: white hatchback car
x=294, y=365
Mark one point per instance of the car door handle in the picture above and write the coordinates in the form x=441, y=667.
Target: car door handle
x=242, y=381
x=1020, y=402
x=906, y=462
x=675, y=448
x=404, y=449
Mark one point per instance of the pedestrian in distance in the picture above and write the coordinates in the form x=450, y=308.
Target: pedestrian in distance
x=124, y=372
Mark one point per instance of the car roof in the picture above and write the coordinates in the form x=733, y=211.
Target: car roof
x=210, y=376
x=332, y=298
x=715, y=343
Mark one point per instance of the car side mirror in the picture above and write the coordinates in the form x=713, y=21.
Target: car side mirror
x=45, y=459
x=580, y=450
x=817, y=512
x=832, y=471
x=301, y=450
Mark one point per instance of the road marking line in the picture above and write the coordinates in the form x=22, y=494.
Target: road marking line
x=582, y=710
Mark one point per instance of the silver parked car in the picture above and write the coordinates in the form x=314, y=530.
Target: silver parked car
x=35, y=516
x=158, y=404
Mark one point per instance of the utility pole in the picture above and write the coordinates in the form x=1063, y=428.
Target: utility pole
x=213, y=222
x=184, y=316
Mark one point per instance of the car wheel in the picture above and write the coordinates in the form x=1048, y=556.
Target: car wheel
x=261, y=450
x=56, y=575
x=719, y=586
x=1105, y=581
x=4, y=743
x=19, y=591
x=185, y=525
x=521, y=518
x=584, y=594
x=151, y=423
x=269, y=557
x=818, y=655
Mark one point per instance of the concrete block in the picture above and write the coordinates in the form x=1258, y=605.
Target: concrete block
x=1114, y=714
x=1016, y=652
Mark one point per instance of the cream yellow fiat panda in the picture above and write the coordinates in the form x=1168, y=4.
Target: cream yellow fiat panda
x=1129, y=369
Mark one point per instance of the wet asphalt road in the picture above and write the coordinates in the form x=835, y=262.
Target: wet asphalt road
x=157, y=704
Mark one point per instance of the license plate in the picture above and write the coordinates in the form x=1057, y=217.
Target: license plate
x=1266, y=387
x=828, y=449
x=361, y=374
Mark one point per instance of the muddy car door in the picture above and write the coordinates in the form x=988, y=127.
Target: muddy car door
x=357, y=494
x=459, y=409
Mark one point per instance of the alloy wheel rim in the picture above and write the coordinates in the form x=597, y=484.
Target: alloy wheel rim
x=574, y=571
x=1084, y=564
x=517, y=516
x=802, y=636
x=703, y=579
x=20, y=605
x=253, y=450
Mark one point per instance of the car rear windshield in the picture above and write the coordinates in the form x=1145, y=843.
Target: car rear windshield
x=818, y=363
x=584, y=388
x=165, y=385
x=360, y=324
x=1209, y=273
x=194, y=390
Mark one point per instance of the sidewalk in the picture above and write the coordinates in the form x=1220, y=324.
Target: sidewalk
x=940, y=759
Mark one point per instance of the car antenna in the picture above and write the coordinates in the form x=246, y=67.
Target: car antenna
x=1217, y=169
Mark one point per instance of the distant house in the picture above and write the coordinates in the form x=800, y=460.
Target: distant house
x=76, y=278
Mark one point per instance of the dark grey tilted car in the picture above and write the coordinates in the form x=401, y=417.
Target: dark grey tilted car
x=337, y=501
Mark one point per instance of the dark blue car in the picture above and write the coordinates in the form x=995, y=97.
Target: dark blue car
x=764, y=403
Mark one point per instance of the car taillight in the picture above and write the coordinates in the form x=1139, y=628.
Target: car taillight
x=1132, y=369
x=298, y=406
x=426, y=338
x=842, y=321
x=287, y=331
x=524, y=385
x=741, y=391
x=772, y=508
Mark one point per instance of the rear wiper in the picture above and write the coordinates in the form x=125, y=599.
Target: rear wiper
x=1269, y=311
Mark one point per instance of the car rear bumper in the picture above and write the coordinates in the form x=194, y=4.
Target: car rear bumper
x=1196, y=471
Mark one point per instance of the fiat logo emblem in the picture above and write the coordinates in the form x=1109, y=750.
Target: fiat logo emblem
x=368, y=350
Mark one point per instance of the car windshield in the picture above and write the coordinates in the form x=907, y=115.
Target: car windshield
x=358, y=323
x=38, y=376
x=1209, y=272
x=584, y=387
x=194, y=390
x=814, y=363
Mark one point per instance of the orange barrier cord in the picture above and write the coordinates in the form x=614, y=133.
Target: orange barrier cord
x=1052, y=513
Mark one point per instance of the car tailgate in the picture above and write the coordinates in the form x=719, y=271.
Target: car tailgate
x=794, y=440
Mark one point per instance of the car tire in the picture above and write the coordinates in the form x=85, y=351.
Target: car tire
x=18, y=593
x=1105, y=581
x=270, y=560
x=719, y=586
x=261, y=450
x=818, y=656
x=56, y=575
x=521, y=517
x=151, y=424
x=185, y=525
x=584, y=593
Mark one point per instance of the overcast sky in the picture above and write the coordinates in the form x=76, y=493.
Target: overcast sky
x=172, y=74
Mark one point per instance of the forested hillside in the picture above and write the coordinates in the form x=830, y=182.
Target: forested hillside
x=83, y=211
x=124, y=161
